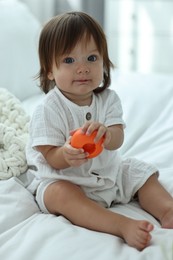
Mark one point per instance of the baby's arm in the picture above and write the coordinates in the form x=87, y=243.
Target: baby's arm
x=114, y=135
x=116, y=138
x=64, y=156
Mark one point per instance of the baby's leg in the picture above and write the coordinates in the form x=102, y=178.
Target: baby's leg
x=69, y=200
x=157, y=201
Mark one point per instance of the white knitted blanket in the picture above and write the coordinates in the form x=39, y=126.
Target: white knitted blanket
x=13, y=135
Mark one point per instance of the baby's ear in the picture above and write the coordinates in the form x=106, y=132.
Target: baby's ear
x=50, y=76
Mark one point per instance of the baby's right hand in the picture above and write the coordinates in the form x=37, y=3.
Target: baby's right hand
x=73, y=156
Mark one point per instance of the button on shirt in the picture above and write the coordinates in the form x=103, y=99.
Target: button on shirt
x=88, y=116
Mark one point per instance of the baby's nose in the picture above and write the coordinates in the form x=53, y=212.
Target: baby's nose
x=82, y=68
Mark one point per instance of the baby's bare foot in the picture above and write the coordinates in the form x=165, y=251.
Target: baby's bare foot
x=167, y=219
x=137, y=233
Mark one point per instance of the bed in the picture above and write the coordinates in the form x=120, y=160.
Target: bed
x=26, y=233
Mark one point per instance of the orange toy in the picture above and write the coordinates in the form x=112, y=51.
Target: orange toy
x=80, y=140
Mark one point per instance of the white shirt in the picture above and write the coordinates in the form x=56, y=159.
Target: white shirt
x=51, y=124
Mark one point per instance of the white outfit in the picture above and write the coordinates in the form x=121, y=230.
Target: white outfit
x=105, y=178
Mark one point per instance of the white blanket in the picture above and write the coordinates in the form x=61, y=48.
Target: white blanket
x=26, y=233
x=13, y=135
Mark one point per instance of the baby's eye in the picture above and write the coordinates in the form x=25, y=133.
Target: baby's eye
x=68, y=60
x=92, y=58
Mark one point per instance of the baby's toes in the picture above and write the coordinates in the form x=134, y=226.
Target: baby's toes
x=146, y=226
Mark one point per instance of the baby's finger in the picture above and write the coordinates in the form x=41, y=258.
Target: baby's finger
x=102, y=130
x=107, y=138
x=76, y=163
x=72, y=132
x=85, y=127
x=71, y=150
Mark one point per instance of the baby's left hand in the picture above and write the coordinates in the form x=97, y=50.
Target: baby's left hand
x=89, y=127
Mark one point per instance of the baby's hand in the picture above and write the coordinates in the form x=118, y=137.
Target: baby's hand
x=102, y=131
x=74, y=157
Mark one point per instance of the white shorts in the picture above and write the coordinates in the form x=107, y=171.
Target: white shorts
x=40, y=194
x=132, y=176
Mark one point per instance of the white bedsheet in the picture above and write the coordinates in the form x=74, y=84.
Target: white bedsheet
x=26, y=234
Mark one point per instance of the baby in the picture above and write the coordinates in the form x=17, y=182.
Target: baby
x=75, y=76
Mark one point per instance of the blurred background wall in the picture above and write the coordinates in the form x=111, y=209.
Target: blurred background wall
x=139, y=32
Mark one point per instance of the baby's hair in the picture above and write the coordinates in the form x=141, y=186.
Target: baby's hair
x=60, y=35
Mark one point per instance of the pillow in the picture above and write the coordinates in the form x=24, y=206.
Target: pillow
x=19, y=31
x=148, y=113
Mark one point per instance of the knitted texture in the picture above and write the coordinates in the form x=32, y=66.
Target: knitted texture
x=13, y=135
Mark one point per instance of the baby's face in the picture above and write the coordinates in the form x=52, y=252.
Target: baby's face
x=79, y=72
